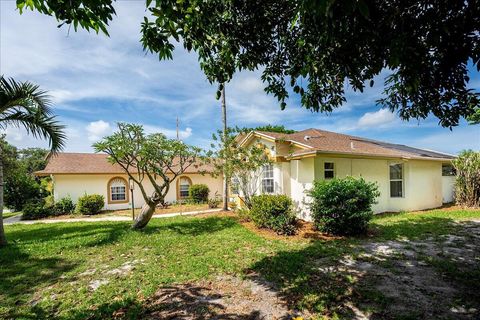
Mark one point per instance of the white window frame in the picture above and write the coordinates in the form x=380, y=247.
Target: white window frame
x=402, y=179
x=325, y=170
x=268, y=176
x=180, y=185
x=115, y=186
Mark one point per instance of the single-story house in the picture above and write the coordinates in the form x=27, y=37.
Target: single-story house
x=408, y=178
x=74, y=174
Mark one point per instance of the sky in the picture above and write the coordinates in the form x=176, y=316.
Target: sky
x=96, y=81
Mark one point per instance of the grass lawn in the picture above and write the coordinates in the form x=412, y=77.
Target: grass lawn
x=93, y=270
x=10, y=214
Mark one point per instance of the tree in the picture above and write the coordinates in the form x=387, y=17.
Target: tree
x=271, y=128
x=33, y=159
x=146, y=157
x=88, y=14
x=241, y=166
x=317, y=48
x=467, y=181
x=475, y=117
x=24, y=104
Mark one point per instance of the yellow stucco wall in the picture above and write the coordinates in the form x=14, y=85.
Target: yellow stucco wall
x=423, y=185
x=77, y=185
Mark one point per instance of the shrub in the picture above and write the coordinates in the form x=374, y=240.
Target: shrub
x=467, y=182
x=214, y=203
x=90, y=204
x=20, y=189
x=343, y=206
x=64, y=206
x=35, y=210
x=199, y=193
x=243, y=214
x=273, y=212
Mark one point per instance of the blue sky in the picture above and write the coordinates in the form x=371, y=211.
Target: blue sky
x=96, y=81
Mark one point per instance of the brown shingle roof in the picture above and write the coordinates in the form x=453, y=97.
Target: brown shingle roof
x=91, y=163
x=315, y=140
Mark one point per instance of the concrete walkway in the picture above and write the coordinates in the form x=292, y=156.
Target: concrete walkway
x=17, y=219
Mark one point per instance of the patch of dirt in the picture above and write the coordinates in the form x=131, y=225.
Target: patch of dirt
x=225, y=297
x=423, y=279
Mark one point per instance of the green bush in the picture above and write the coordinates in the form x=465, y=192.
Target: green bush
x=343, y=206
x=90, y=204
x=64, y=206
x=35, y=210
x=467, y=182
x=243, y=214
x=274, y=212
x=198, y=193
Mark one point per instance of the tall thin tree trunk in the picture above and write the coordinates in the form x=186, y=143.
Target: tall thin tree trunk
x=224, y=119
x=3, y=239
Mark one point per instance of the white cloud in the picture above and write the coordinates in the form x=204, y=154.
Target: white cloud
x=170, y=133
x=96, y=130
x=381, y=117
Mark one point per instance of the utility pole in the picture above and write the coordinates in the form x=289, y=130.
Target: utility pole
x=224, y=119
x=178, y=136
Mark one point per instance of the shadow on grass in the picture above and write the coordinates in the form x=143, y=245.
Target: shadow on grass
x=329, y=277
x=415, y=227
x=194, y=226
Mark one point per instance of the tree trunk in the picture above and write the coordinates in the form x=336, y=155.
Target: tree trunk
x=224, y=119
x=145, y=215
x=3, y=239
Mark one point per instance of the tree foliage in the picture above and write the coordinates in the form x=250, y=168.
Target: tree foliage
x=88, y=14
x=242, y=165
x=475, y=117
x=317, y=48
x=270, y=128
x=467, y=182
x=149, y=158
x=23, y=104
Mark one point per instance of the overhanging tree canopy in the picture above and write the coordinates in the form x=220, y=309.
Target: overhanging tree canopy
x=318, y=48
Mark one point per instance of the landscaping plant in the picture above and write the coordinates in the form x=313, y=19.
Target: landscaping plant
x=273, y=212
x=343, y=206
x=467, y=183
x=198, y=193
x=90, y=204
x=65, y=206
x=35, y=210
x=153, y=158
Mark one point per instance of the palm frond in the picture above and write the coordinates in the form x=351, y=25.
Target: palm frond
x=24, y=104
x=15, y=94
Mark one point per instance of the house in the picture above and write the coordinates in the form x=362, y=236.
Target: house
x=74, y=174
x=408, y=178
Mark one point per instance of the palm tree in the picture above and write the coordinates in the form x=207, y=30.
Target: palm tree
x=23, y=104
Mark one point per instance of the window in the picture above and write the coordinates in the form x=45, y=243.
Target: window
x=118, y=190
x=184, y=184
x=328, y=169
x=396, y=180
x=448, y=170
x=267, y=181
x=235, y=185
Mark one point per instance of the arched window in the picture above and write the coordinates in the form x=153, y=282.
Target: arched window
x=117, y=190
x=183, y=184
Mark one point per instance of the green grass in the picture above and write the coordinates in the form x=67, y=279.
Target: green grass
x=10, y=214
x=419, y=224
x=41, y=269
